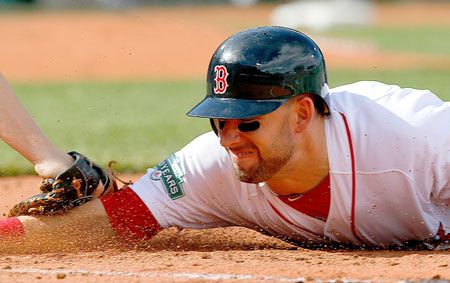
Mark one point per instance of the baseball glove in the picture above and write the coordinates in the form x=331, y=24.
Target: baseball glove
x=80, y=183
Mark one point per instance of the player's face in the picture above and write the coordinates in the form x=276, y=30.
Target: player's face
x=258, y=147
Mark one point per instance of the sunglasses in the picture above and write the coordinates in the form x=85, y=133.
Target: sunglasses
x=242, y=126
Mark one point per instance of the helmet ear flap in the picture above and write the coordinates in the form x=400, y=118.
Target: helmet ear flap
x=213, y=126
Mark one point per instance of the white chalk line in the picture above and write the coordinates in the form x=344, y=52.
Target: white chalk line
x=181, y=275
x=188, y=275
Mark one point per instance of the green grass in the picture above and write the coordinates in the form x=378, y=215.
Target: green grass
x=140, y=123
x=136, y=124
x=417, y=39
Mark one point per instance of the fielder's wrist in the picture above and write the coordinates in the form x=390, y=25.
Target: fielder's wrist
x=52, y=167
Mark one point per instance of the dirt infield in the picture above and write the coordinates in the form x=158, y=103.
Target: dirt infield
x=225, y=255
x=172, y=42
x=167, y=43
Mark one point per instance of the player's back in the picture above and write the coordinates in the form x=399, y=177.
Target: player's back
x=400, y=142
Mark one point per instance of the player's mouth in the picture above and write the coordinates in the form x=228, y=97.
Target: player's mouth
x=240, y=153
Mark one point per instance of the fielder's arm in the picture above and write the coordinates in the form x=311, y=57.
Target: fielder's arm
x=19, y=131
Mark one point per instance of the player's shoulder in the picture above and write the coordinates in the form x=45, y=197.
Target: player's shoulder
x=386, y=95
x=204, y=142
x=365, y=88
x=205, y=150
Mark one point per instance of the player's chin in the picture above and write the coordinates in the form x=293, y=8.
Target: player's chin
x=245, y=164
x=247, y=174
x=248, y=178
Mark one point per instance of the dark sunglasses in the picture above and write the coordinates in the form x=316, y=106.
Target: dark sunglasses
x=242, y=126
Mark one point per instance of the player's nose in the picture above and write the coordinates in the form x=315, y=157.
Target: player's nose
x=229, y=134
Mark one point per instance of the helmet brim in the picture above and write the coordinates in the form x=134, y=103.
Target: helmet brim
x=231, y=108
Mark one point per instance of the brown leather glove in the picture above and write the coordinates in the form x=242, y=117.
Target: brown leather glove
x=80, y=183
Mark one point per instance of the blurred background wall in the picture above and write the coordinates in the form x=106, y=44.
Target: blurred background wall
x=131, y=3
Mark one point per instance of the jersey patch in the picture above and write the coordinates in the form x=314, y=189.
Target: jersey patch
x=170, y=173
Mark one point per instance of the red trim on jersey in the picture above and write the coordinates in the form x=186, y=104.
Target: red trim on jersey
x=129, y=216
x=315, y=202
x=443, y=236
x=352, y=157
x=288, y=221
x=11, y=228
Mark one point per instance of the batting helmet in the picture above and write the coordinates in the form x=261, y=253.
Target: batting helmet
x=255, y=71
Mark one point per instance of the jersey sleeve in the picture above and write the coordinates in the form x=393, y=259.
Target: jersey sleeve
x=193, y=188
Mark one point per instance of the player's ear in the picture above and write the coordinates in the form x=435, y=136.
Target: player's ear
x=303, y=110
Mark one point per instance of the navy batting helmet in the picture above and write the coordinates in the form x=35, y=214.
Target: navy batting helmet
x=255, y=71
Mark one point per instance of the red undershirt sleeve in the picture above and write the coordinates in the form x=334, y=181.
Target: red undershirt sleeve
x=129, y=216
x=11, y=228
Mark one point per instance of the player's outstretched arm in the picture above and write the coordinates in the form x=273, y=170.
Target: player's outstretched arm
x=18, y=130
x=121, y=216
x=84, y=227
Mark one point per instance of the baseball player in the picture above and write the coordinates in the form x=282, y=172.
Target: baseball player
x=363, y=164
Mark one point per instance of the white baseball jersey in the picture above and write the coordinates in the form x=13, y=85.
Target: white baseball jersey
x=389, y=153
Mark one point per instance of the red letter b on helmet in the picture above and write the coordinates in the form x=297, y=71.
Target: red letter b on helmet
x=220, y=79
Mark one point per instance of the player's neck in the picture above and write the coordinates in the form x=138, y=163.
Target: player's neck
x=308, y=166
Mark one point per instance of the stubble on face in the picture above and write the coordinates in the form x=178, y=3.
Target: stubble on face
x=278, y=153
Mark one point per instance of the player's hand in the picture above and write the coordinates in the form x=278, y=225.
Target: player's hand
x=78, y=184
